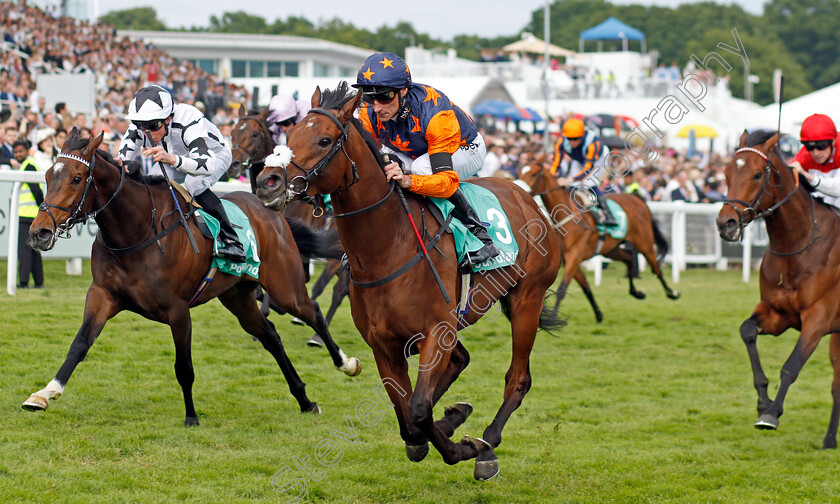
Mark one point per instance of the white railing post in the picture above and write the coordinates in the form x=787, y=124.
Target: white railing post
x=746, y=258
x=14, y=225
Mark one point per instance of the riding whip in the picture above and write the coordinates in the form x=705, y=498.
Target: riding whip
x=419, y=238
x=175, y=199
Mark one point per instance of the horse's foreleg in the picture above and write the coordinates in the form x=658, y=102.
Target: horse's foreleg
x=340, y=291
x=258, y=326
x=435, y=357
x=813, y=329
x=749, y=335
x=830, y=440
x=181, y=326
x=580, y=277
x=397, y=384
x=628, y=257
x=99, y=308
x=454, y=416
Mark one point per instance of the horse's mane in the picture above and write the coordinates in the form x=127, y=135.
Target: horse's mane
x=759, y=137
x=337, y=98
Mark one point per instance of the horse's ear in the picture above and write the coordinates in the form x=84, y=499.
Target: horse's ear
x=241, y=110
x=91, y=147
x=743, y=142
x=264, y=114
x=769, y=144
x=347, y=110
x=316, y=97
x=541, y=160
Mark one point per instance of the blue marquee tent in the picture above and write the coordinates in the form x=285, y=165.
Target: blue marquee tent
x=612, y=29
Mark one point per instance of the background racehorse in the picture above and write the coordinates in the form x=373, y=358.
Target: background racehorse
x=581, y=239
x=155, y=274
x=251, y=144
x=396, y=303
x=800, y=272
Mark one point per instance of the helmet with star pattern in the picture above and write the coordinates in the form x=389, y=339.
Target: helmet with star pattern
x=383, y=69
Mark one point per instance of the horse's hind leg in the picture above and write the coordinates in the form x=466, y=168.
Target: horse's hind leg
x=525, y=313
x=627, y=257
x=650, y=256
x=298, y=303
x=250, y=318
x=580, y=277
x=99, y=308
x=830, y=440
x=340, y=291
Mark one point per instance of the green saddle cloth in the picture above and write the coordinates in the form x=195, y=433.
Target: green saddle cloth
x=242, y=226
x=489, y=209
x=619, y=231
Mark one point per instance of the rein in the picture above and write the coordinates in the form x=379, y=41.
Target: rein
x=763, y=214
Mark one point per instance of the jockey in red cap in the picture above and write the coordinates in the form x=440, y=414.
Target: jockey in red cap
x=819, y=159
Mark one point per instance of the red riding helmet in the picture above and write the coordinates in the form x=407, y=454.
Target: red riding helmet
x=817, y=127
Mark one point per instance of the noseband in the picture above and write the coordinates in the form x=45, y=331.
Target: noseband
x=76, y=213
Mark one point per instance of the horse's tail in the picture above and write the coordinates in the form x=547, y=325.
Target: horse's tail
x=659, y=240
x=324, y=243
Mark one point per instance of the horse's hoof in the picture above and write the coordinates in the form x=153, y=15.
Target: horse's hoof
x=480, y=445
x=353, y=367
x=767, y=422
x=416, y=453
x=638, y=294
x=191, y=422
x=599, y=317
x=297, y=321
x=486, y=466
x=463, y=408
x=35, y=403
x=313, y=409
x=829, y=443
x=315, y=341
x=674, y=295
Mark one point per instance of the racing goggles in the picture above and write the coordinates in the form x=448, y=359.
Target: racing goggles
x=818, y=145
x=149, y=125
x=288, y=122
x=383, y=95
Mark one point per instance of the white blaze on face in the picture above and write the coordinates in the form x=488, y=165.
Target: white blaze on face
x=57, y=167
x=739, y=163
x=309, y=124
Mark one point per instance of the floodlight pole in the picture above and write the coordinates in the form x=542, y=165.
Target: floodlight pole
x=545, y=75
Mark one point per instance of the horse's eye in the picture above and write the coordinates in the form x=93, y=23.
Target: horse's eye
x=76, y=180
x=758, y=175
x=326, y=141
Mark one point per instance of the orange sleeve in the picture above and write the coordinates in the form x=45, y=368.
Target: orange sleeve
x=558, y=155
x=443, y=134
x=440, y=185
x=365, y=118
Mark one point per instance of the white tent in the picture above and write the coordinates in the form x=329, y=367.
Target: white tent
x=823, y=101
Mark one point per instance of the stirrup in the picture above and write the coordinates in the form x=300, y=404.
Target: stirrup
x=233, y=252
x=485, y=253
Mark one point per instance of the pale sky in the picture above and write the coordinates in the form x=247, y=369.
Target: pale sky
x=442, y=19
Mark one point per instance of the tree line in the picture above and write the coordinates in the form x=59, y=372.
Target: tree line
x=798, y=37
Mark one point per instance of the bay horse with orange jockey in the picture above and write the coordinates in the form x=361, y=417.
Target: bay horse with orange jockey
x=800, y=272
x=142, y=262
x=396, y=299
x=582, y=240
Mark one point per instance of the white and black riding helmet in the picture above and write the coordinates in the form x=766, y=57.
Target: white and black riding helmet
x=150, y=106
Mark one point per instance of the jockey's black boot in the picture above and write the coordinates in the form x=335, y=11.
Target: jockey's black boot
x=231, y=248
x=607, y=218
x=465, y=213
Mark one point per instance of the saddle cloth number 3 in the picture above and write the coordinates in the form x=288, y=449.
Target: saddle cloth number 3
x=498, y=219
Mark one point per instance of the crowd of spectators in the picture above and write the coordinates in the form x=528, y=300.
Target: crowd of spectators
x=670, y=176
x=40, y=42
